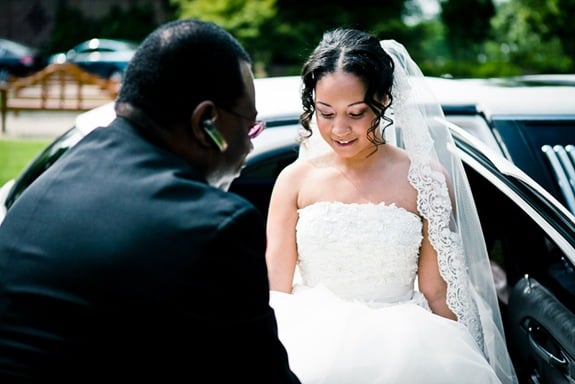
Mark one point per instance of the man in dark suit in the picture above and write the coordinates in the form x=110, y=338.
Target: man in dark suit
x=128, y=259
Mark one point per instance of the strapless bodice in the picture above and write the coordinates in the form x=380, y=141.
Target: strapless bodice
x=365, y=252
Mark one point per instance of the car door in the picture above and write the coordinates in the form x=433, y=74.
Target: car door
x=531, y=237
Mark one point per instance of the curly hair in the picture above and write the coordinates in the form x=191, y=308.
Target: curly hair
x=360, y=54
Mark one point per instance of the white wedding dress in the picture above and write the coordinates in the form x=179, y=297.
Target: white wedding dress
x=355, y=316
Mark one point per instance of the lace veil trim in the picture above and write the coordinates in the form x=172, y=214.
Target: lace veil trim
x=434, y=202
x=453, y=225
x=434, y=205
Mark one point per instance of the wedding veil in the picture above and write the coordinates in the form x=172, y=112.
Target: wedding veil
x=419, y=126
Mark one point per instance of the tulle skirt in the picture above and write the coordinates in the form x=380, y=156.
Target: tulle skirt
x=331, y=341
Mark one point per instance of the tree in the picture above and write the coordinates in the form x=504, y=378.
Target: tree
x=467, y=24
x=72, y=25
x=69, y=19
x=535, y=36
x=552, y=19
x=279, y=34
x=298, y=35
x=133, y=23
x=245, y=19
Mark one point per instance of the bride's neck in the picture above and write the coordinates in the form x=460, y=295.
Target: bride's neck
x=362, y=163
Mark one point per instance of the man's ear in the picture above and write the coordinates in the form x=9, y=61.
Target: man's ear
x=204, y=112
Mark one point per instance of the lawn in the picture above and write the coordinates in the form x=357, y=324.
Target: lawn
x=16, y=154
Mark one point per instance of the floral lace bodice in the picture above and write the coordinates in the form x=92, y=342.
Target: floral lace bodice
x=366, y=252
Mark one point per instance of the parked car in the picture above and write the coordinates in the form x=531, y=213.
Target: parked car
x=529, y=230
x=106, y=58
x=18, y=60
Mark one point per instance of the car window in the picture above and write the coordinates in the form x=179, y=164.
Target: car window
x=258, y=177
x=91, y=50
x=525, y=141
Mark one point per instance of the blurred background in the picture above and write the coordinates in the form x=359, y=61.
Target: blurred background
x=457, y=38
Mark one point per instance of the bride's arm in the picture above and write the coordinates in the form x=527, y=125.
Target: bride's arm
x=431, y=284
x=281, y=253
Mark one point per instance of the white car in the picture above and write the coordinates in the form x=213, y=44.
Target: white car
x=512, y=138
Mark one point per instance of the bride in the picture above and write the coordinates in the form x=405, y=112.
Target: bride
x=378, y=272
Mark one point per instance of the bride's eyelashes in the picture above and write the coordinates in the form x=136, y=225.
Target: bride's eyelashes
x=326, y=115
x=358, y=114
x=353, y=115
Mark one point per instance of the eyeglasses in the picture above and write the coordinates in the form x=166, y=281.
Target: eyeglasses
x=256, y=127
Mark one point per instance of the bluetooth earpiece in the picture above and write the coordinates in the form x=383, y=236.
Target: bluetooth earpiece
x=209, y=127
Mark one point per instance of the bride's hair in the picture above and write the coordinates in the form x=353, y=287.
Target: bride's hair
x=358, y=53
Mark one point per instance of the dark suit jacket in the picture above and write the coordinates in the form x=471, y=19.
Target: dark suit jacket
x=121, y=262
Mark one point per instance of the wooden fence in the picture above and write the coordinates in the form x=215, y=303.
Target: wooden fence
x=63, y=87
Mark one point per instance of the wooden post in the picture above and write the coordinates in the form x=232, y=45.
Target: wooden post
x=4, y=97
x=43, y=92
x=62, y=84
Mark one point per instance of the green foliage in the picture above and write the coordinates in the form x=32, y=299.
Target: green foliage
x=469, y=38
x=431, y=53
x=524, y=39
x=551, y=19
x=467, y=25
x=242, y=18
x=72, y=26
x=132, y=24
x=297, y=34
x=245, y=19
x=276, y=33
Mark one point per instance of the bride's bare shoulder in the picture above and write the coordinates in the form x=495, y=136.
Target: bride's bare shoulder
x=296, y=171
x=398, y=157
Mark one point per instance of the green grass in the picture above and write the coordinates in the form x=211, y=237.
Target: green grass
x=16, y=154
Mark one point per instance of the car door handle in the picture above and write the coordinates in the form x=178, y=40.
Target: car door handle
x=537, y=339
